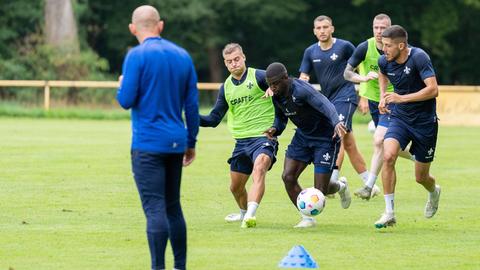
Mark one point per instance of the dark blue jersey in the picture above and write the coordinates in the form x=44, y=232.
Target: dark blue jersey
x=329, y=66
x=312, y=113
x=221, y=105
x=409, y=78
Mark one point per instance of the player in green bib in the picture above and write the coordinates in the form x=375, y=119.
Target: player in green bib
x=249, y=117
x=365, y=59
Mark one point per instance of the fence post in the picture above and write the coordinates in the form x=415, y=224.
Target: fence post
x=46, y=96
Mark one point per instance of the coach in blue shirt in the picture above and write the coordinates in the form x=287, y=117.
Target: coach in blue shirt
x=159, y=81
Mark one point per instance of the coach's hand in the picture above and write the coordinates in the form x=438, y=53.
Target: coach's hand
x=340, y=130
x=270, y=133
x=188, y=157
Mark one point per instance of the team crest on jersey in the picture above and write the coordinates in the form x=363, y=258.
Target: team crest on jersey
x=249, y=85
x=406, y=70
x=333, y=57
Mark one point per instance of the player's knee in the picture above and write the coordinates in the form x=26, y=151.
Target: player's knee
x=289, y=179
x=236, y=188
x=349, y=145
x=260, y=169
x=389, y=158
x=421, y=177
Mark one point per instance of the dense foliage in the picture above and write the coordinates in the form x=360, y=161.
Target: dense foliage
x=269, y=30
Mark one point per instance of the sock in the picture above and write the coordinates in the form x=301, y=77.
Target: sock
x=334, y=176
x=434, y=194
x=372, y=178
x=364, y=176
x=251, y=210
x=242, y=213
x=341, y=186
x=389, y=202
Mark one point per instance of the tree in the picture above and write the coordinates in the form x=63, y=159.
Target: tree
x=61, y=26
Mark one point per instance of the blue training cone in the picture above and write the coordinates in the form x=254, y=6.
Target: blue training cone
x=298, y=257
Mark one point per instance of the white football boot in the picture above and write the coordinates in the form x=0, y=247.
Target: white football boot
x=432, y=203
x=345, y=198
x=386, y=220
x=306, y=222
x=235, y=217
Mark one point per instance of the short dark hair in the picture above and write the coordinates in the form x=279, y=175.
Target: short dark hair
x=322, y=18
x=396, y=32
x=275, y=71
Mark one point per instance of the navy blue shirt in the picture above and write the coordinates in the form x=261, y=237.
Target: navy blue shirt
x=159, y=81
x=312, y=113
x=409, y=78
x=221, y=105
x=329, y=66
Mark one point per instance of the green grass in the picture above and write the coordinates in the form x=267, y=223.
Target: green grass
x=68, y=201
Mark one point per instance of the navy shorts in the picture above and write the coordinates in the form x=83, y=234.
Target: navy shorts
x=247, y=150
x=378, y=118
x=321, y=152
x=345, y=110
x=423, y=137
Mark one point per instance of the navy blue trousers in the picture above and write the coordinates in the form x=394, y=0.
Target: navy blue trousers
x=158, y=178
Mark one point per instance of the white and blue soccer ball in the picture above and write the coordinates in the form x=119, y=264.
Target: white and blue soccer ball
x=310, y=201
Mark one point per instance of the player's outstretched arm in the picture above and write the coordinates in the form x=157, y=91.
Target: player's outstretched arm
x=217, y=113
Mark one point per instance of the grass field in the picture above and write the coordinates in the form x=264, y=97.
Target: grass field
x=68, y=201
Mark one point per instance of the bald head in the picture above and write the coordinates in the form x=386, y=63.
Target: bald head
x=145, y=18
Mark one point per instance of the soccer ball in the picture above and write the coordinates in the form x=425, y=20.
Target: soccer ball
x=310, y=201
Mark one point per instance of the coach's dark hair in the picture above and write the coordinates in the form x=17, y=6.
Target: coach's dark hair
x=396, y=32
x=322, y=18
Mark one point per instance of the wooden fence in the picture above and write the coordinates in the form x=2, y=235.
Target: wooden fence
x=456, y=103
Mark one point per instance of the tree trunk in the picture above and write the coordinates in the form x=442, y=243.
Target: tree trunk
x=61, y=26
x=215, y=65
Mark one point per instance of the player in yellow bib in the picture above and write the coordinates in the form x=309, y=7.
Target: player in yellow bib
x=249, y=117
x=365, y=58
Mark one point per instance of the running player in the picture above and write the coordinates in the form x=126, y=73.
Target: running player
x=328, y=59
x=365, y=57
x=413, y=118
x=316, y=139
x=248, y=116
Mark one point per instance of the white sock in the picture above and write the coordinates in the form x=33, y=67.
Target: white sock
x=389, y=204
x=251, y=210
x=372, y=178
x=242, y=213
x=434, y=194
x=364, y=176
x=334, y=176
x=341, y=185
